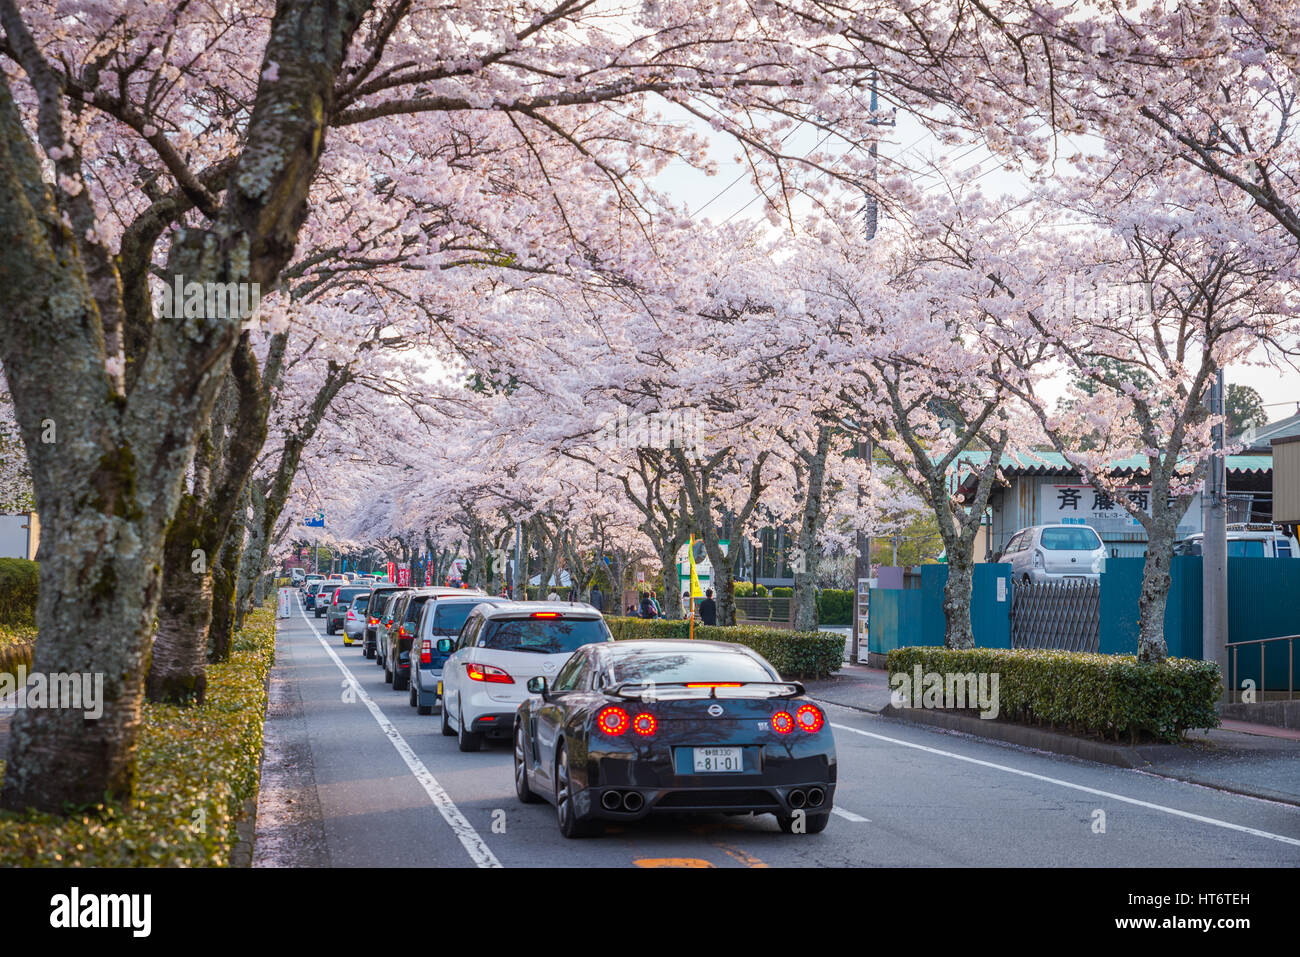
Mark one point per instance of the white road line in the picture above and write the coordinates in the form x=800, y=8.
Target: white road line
x=475, y=845
x=850, y=816
x=1077, y=787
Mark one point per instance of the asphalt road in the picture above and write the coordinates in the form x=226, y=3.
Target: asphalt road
x=354, y=777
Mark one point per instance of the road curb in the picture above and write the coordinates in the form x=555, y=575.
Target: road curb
x=1116, y=755
x=1039, y=739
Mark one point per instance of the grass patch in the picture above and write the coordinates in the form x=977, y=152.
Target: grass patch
x=195, y=769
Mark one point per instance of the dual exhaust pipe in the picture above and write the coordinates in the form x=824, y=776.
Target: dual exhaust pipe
x=622, y=801
x=813, y=797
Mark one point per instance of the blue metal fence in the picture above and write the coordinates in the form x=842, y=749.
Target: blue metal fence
x=1263, y=602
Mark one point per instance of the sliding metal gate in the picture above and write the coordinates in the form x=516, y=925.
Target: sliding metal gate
x=1060, y=615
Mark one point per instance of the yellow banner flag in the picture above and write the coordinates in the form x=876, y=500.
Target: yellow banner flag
x=695, y=578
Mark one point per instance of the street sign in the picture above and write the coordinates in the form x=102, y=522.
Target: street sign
x=316, y=521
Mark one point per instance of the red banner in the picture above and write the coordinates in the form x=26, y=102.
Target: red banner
x=404, y=575
x=392, y=572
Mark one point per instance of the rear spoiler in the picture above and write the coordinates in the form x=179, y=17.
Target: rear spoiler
x=639, y=689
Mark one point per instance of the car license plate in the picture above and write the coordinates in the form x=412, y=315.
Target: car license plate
x=718, y=759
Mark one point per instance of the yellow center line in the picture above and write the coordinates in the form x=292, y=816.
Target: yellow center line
x=671, y=862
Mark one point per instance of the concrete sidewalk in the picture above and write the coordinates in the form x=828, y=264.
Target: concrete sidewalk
x=1253, y=759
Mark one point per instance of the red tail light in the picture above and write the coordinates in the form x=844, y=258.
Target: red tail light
x=335, y=596
x=546, y=614
x=714, y=684
x=783, y=722
x=488, y=673
x=426, y=652
x=645, y=724
x=401, y=633
x=374, y=621
x=809, y=718
x=612, y=720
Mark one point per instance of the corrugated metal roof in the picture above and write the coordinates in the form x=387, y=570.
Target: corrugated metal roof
x=1054, y=463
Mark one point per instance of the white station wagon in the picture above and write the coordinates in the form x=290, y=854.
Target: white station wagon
x=1044, y=553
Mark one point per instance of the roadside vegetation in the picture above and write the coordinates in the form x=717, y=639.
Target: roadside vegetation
x=196, y=768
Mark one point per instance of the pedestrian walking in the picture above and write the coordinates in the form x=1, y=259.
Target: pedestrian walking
x=597, y=599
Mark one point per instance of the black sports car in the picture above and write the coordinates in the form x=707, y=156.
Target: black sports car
x=631, y=728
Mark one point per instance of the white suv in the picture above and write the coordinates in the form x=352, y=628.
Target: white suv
x=500, y=648
x=1044, y=553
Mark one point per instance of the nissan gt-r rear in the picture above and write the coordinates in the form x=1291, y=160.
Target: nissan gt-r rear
x=632, y=728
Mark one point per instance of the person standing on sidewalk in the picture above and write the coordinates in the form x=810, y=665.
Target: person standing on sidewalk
x=708, y=608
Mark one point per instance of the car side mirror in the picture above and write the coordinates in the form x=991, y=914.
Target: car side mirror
x=538, y=686
x=446, y=646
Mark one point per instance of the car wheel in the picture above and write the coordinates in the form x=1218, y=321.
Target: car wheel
x=522, y=789
x=369, y=652
x=466, y=740
x=565, y=813
x=446, y=725
x=400, y=681
x=413, y=699
x=812, y=823
x=388, y=673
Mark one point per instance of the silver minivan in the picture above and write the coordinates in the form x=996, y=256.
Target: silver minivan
x=1043, y=553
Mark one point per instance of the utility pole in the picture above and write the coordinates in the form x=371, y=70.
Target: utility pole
x=1214, y=544
x=865, y=449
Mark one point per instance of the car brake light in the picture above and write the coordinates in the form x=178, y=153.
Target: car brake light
x=546, y=614
x=612, y=720
x=713, y=684
x=783, y=722
x=487, y=673
x=645, y=724
x=401, y=632
x=374, y=621
x=809, y=718
x=426, y=652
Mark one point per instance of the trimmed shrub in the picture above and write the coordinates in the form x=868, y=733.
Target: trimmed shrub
x=195, y=769
x=835, y=606
x=782, y=591
x=1110, y=696
x=794, y=654
x=19, y=580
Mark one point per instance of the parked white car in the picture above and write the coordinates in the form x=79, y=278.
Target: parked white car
x=1255, y=540
x=1044, y=553
x=499, y=649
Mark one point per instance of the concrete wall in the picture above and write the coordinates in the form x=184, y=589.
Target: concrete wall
x=19, y=535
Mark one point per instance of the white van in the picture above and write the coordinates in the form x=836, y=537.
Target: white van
x=1254, y=540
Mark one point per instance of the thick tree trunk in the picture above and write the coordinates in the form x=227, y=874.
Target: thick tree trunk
x=254, y=557
x=225, y=575
x=669, y=579
x=1161, y=529
x=956, y=603
x=805, y=572
x=177, y=669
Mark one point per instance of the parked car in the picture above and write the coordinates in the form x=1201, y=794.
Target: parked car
x=441, y=617
x=396, y=639
x=379, y=596
x=340, y=602
x=1043, y=553
x=1254, y=540
x=632, y=728
x=354, y=621
x=500, y=648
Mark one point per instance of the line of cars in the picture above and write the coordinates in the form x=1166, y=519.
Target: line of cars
x=603, y=730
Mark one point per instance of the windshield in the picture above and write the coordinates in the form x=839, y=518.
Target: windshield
x=1070, y=539
x=543, y=636
x=688, y=666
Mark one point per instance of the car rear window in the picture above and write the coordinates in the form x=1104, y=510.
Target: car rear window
x=378, y=599
x=347, y=594
x=544, y=636
x=361, y=601
x=449, y=616
x=668, y=667
x=1070, y=539
x=413, y=607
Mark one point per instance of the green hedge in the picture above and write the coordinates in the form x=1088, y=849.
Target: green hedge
x=1112, y=696
x=793, y=654
x=195, y=769
x=835, y=606
x=19, y=580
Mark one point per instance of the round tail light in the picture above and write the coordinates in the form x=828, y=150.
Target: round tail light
x=612, y=720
